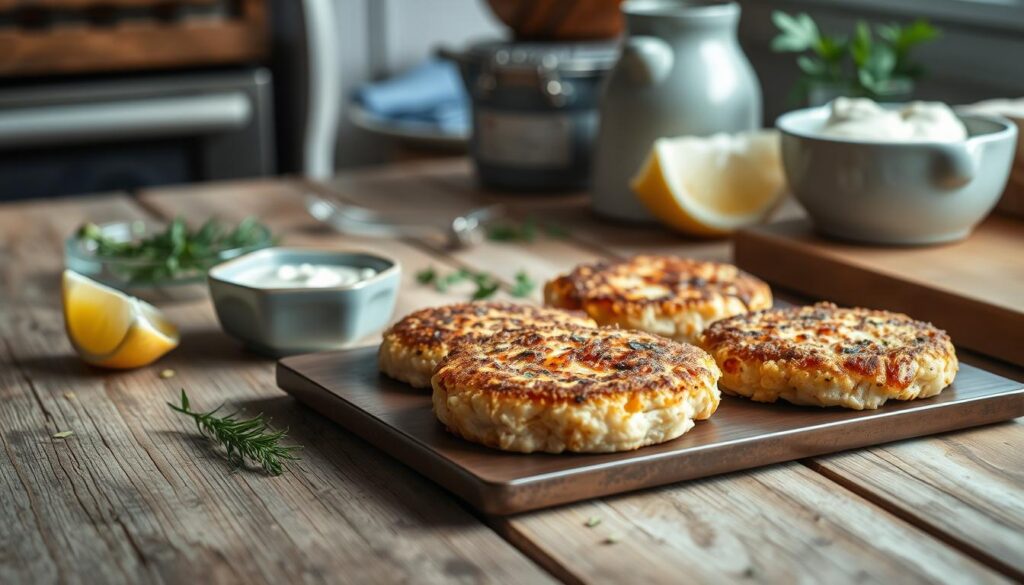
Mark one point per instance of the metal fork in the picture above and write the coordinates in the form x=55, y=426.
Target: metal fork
x=458, y=232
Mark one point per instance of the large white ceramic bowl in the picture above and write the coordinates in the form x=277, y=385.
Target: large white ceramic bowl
x=903, y=193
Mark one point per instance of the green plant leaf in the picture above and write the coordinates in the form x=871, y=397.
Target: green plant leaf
x=867, y=81
x=811, y=66
x=860, y=48
x=917, y=32
x=882, y=62
x=831, y=49
x=797, y=33
x=889, y=32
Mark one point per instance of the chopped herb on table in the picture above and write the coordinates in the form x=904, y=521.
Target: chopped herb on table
x=177, y=250
x=524, y=231
x=243, y=439
x=487, y=285
x=522, y=286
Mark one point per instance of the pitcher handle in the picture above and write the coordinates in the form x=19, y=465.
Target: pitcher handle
x=647, y=60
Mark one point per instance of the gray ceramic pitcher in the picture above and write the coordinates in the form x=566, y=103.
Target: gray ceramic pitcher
x=681, y=72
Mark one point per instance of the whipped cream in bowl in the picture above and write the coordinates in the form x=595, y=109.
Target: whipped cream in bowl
x=863, y=119
x=903, y=174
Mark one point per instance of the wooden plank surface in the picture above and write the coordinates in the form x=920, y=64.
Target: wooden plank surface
x=127, y=500
x=135, y=496
x=781, y=524
x=974, y=289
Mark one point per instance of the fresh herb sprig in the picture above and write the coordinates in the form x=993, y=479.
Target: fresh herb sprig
x=524, y=231
x=177, y=251
x=243, y=439
x=868, y=62
x=487, y=285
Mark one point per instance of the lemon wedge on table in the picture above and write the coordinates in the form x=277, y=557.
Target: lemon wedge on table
x=713, y=185
x=111, y=329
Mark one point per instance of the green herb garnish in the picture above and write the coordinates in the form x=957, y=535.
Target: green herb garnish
x=426, y=276
x=864, y=65
x=243, y=439
x=487, y=285
x=524, y=231
x=177, y=251
x=523, y=286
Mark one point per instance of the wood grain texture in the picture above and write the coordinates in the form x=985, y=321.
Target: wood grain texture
x=782, y=524
x=134, y=495
x=125, y=499
x=962, y=487
x=973, y=289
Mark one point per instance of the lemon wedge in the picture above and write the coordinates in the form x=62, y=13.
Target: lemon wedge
x=713, y=185
x=111, y=329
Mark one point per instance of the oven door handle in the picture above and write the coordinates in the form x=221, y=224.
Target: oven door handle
x=188, y=115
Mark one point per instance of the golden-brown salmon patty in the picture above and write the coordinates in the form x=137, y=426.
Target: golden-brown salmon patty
x=582, y=390
x=665, y=295
x=413, y=346
x=829, y=356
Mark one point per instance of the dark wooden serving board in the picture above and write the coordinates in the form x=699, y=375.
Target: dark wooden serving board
x=973, y=289
x=346, y=386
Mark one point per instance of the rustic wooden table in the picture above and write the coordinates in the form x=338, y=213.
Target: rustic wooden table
x=135, y=496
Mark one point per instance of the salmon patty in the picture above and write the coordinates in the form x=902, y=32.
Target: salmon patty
x=824, y=355
x=673, y=297
x=582, y=390
x=413, y=346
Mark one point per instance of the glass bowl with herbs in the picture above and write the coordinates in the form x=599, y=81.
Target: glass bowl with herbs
x=140, y=255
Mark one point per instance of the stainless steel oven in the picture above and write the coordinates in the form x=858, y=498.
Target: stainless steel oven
x=96, y=135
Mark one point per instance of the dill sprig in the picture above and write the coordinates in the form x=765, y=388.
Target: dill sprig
x=243, y=439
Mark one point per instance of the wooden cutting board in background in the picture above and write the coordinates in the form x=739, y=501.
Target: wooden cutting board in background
x=973, y=289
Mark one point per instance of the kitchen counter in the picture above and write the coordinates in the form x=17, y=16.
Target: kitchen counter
x=135, y=495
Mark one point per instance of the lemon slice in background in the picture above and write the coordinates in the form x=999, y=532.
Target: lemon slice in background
x=713, y=185
x=111, y=329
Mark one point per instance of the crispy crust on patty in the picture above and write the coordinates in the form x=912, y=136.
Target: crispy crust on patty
x=413, y=346
x=829, y=356
x=582, y=390
x=669, y=296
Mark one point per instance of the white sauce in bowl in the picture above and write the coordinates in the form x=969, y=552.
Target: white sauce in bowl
x=303, y=275
x=863, y=119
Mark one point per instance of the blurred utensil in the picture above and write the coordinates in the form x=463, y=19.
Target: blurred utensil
x=460, y=231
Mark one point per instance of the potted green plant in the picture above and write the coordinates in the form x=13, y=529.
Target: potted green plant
x=872, y=63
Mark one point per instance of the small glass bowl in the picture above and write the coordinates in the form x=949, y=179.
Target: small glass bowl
x=130, y=274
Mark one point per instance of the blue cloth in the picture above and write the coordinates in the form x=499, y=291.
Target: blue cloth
x=431, y=93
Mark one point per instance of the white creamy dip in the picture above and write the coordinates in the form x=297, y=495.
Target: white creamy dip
x=303, y=276
x=863, y=119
